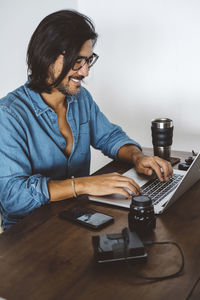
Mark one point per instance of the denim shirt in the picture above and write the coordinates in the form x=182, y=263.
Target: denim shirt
x=32, y=149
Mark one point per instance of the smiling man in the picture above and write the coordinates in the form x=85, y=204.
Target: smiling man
x=48, y=125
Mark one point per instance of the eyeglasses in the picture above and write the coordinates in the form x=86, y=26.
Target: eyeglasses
x=82, y=60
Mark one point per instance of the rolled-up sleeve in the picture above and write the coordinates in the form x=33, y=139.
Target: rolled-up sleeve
x=20, y=190
x=106, y=136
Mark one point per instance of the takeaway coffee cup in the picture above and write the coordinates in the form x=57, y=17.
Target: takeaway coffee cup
x=162, y=133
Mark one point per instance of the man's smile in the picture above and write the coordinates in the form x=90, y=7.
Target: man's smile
x=76, y=79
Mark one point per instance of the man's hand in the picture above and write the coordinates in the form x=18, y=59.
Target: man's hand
x=112, y=183
x=106, y=184
x=147, y=164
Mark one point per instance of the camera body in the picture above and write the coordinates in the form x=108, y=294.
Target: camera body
x=118, y=247
x=141, y=217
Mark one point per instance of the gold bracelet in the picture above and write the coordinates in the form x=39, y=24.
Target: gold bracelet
x=73, y=187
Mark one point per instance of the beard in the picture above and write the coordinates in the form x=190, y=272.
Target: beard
x=65, y=88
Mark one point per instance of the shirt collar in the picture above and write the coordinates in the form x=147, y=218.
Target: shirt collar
x=39, y=105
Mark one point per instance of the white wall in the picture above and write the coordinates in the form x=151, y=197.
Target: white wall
x=18, y=20
x=149, y=63
x=149, y=66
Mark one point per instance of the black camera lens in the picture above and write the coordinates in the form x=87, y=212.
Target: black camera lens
x=141, y=217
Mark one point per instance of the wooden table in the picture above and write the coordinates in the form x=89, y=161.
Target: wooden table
x=44, y=257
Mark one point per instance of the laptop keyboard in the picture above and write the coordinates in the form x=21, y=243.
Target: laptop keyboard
x=157, y=190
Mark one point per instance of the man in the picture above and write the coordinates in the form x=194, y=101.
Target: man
x=48, y=125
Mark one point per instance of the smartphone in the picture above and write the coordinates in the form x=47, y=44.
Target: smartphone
x=87, y=217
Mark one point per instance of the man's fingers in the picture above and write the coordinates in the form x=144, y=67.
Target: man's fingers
x=157, y=170
x=129, y=183
x=161, y=167
x=166, y=167
x=119, y=180
x=150, y=165
x=110, y=184
x=122, y=192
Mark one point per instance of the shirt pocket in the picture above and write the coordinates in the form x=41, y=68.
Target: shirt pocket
x=84, y=138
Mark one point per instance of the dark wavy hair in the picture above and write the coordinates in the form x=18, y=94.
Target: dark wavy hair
x=64, y=31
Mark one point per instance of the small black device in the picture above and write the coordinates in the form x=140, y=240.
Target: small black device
x=188, y=161
x=118, y=247
x=141, y=217
x=87, y=217
x=183, y=166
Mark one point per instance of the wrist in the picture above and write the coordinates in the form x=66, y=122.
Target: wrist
x=130, y=153
x=136, y=156
x=74, y=187
x=79, y=186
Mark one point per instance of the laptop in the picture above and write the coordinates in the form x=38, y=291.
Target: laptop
x=163, y=194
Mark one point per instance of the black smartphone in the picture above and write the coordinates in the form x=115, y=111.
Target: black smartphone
x=87, y=217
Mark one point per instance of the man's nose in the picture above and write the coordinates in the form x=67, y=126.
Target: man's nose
x=84, y=71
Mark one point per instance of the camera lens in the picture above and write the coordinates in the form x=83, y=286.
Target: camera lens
x=141, y=217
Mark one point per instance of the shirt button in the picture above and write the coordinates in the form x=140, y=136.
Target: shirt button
x=63, y=144
x=54, y=122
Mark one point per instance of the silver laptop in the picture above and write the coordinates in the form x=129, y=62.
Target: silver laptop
x=163, y=194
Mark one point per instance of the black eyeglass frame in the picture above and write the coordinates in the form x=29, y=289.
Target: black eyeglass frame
x=86, y=60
